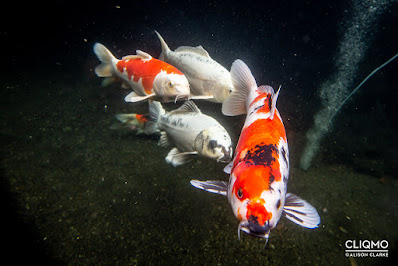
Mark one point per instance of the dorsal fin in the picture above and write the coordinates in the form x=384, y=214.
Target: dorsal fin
x=143, y=55
x=130, y=57
x=165, y=47
x=197, y=50
x=188, y=106
x=266, y=89
x=140, y=55
x=273, y=105
x=274, y=97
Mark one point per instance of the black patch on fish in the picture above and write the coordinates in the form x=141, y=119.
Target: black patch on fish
x=253, y=219
x=255, y=109
x=212, y=145
x=270, y=181
x=284, y=156
x=261, y=155
x=178, y=122
x=269, y=98
x=285, y=179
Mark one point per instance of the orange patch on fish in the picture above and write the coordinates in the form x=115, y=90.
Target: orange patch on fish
x=252, y=180
x=258, y=212
x=146, y=70
x=262, y=131
x=141, y=118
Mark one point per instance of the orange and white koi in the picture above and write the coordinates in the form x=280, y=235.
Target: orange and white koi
x=147, y=76
x=259, y=171
x=134, y=122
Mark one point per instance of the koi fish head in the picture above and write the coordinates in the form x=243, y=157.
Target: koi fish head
x=222, y=90
x=215, y=143
x=257, y=207
x=171, y=86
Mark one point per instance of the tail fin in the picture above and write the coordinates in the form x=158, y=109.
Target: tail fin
x=155, y=112
x=106, y=58
x=165, y=47
x=243, y=81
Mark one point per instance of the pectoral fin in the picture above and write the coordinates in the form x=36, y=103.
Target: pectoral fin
x=300, y=212
x=218, y=187
x=176, y=157
x=202, y=97
x=228, y=168
x=133, y=97
x=164, y=140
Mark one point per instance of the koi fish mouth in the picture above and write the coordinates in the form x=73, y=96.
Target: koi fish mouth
x=181, y=96
x=224, y=158
x=227, y=155
x=254, y=229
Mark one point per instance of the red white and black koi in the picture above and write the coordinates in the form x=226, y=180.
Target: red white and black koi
x=259, y=171
x=147, y=76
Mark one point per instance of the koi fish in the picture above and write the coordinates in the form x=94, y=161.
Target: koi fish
x=148, y=77
x=191, y=132
x=259, y=171
x=208, y=79
x=135, y=122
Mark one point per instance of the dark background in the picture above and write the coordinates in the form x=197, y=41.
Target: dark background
x=284, y=42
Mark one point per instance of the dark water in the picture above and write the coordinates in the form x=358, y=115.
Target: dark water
x=76, y=192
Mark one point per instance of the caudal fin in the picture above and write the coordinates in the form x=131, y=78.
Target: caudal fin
x=243, y=81
x=165, y=47
x=106, y=58
x=155, y=112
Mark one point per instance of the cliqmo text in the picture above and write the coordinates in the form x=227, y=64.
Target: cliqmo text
x=366, y=244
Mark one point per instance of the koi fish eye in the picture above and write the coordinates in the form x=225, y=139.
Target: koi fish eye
x=170, y=84
x=240, y=193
